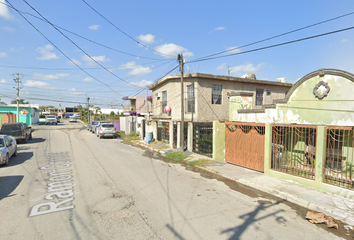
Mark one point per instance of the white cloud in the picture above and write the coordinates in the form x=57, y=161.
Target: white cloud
x=8, y=29
x=4, y=11
x=137, y=70
x=77, y=62
x=51, y=76
x=344, y=40
x=221, y=66
x=96, y=58
x=3, y=81
x=171, y=50
x=47, y=53
x=88, y=79
x=2, y=54
x=73, y=91
x=38, y=84
x=233, y=50
x=246, y=68
x=217, y=29
x=128, y=65
x=143, y=83
x=94, y=27
x=148, y=38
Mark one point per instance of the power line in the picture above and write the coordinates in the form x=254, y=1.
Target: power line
x=60, y=50
x=279, y=35
x=125, y=32
x=276, y=45
x=80, y=49
x=87, y=39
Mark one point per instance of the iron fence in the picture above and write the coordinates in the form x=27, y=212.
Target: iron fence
x=163, y=132
x=339, y=163
x=294, y=150
x=203, y=138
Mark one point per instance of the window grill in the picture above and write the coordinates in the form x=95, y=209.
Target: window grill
x=338, y=168
x=294, y=150
x=163, y=132
x=216, y=94
x=190, y=99
x=203, y=138
x=164, y=101
x=259, y=97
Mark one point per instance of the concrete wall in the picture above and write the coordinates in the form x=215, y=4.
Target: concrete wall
x=301, y=105
x=218, y=141
x=205, y=111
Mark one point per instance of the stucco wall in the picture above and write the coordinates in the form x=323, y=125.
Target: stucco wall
x=205, y=111
x=30, y=119
x=303, y=107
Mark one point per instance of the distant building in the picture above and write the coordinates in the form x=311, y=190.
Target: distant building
x=28, y=113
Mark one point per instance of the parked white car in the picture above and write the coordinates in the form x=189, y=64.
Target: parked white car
x=72, y=119
x=8, y=148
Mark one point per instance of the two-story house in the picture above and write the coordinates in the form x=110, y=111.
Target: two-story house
x=206, y=97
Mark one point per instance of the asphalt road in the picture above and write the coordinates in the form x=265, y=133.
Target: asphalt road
x=68, y=184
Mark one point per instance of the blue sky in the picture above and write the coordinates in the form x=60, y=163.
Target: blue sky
x=164, y=29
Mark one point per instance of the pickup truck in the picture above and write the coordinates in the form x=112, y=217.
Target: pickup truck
x=18, y=131
x=51, y=119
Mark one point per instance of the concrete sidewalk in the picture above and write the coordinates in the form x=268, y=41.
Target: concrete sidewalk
x=335, y=206
x=338, y=207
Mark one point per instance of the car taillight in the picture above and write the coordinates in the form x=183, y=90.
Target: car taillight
x=115, y=129
x=23, y=132
x=100, y=129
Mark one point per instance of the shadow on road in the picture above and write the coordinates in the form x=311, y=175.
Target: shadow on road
x=8, y=184
x=36, y=140
x=20, y=158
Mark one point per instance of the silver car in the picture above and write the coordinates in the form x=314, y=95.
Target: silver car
x=97, y=126
x=106, y=130
x=8, y=148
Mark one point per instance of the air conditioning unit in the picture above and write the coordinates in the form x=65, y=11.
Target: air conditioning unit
x=157, y=95
x=131, y=109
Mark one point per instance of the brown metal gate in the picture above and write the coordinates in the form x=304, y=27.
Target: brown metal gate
x=244, y=144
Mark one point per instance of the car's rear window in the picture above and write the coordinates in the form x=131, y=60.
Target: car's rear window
x=10, y=127
x=107, y=125
x=94, y=123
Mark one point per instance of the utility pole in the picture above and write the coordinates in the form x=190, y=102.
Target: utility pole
x=88, y=108
x=180, y=59
x=17, y=80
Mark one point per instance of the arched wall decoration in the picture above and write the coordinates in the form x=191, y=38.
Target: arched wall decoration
x=321, y=72
x=317, y=90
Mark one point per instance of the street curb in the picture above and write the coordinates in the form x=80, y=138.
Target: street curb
x=336, y=213
x=333, y=212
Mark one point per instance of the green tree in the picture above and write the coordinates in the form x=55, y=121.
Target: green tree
x=22, y=101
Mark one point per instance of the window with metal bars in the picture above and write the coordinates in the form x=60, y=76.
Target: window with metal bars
x=190, y=98
x=216, y=94
x=164, y=100
x=259, y=97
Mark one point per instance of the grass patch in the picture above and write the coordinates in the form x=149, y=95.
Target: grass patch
x=163, y=147
x=201, y=162
x=130, y=138
x=176, y=156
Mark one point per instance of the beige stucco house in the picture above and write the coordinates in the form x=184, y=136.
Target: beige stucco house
x=206, y=96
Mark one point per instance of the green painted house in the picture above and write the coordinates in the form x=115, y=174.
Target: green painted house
x=29, y=113
x=307, y=137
